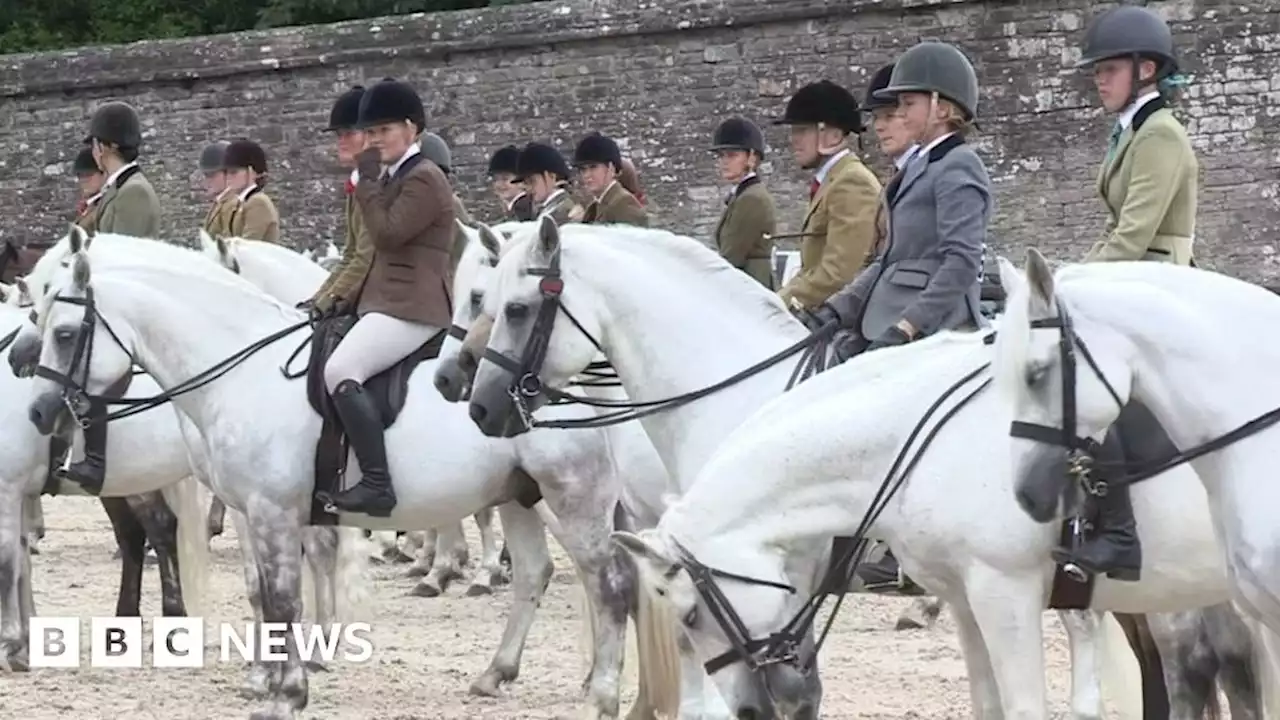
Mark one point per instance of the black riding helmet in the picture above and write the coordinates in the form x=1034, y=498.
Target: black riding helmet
x=84, y=164
x=1128, y=31
x=879, y=81
x=598, y=149
x=738, y=133
x=116, y=123
x=504, y=160
x=391, y=101
x=537, y=158
x=213, y=158
x=245, y=153
x=823, y=103
x=346, y=110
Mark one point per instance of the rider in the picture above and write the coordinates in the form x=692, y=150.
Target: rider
x=254, y=216
x=546, y=177
x=129, y=206
x=407, y=207
x=744, y=232
x=214, y=170
x=503, y=171
x=1147, y=182
x=341, y=289
x=90, y=179
x=599, y=161
x=839, y=226
x=927, y=274
x=435, y=149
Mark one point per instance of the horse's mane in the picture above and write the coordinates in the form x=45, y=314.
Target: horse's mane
x=684, y=254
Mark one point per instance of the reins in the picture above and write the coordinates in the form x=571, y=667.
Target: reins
x=75, y=394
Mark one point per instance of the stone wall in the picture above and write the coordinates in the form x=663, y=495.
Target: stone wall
x=658, y=76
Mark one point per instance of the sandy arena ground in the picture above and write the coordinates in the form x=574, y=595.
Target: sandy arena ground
x=427, y=651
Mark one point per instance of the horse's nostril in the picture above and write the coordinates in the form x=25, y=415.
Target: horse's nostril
x=478, y=413
x=466, y=361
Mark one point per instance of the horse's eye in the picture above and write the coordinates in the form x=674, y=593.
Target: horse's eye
x=690, y=618
x=517, y=311
x=1036, y=374
x=477, y=298
x=64, y=334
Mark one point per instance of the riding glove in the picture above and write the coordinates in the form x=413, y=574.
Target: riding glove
x=893, y=336
x=816, y=319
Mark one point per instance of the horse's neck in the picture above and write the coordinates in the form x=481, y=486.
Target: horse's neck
x=289, y=282
x=809, y=466
x=668, y=347
x=182, y=332
x=1195, y=371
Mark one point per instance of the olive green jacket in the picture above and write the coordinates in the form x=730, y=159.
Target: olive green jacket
x=616, y=206
x=129, y=206
x=1149, y=187
x=255, y=218
x=343, y=285
x=839, y=233
x=744, y=233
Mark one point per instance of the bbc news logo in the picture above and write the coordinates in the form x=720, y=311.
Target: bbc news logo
x=179, y=642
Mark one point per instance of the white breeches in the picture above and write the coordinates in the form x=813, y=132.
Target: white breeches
x=373, y=344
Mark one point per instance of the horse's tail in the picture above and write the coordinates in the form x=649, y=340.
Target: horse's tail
x=351, y=578
x=1121, y=676
x=188, y=499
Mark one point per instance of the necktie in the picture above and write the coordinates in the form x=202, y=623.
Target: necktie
x=814, y=185
x=350, y=187
x=1114, y=143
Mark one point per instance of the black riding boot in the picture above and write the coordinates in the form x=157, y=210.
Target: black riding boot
x=1114, y=549
x=884, y=575
x=91, y=472
x=362, y=423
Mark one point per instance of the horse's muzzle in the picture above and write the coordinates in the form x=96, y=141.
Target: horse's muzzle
x=452, y=381
x=45, y=411
x=24, y=356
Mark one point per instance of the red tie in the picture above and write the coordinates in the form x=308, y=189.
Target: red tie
x=351, y=187
x=813, y=188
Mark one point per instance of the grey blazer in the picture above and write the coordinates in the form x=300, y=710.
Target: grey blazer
x=929, y=269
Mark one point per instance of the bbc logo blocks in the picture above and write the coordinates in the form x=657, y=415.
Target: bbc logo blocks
x=117, y=642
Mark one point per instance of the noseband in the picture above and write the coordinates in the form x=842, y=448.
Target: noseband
x=1082, y=450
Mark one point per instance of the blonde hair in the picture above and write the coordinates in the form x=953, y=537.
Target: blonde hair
x=957, y=121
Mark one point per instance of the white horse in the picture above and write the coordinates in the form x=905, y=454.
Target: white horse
x=333, y=554
x=149, y=457
x=1190, y=345
x=630, y=291
x=291, y=277
x=176, y=314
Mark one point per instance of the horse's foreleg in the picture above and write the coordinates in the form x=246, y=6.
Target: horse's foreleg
x=923, y=613
x=1083, y=627
x=983, y=692
x=160, y=524
x=444, y=569
x=532, y=568
x=1007, y=610
x=424, y=556
x=491, y=571
x=255, y=684
x=320, y=548
x=15, y=572
x=277, y=545
x=217, y=517
x=33, y=506
x=584, y=529
x=132, y=539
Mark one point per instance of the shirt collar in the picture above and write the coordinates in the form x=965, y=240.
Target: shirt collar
x=94, y=199
x=607, y=188
x=821, y=175
x=244, y=194
x=414, y=149
x=515, y=200
x=111, y=179
x=1126, y=117
x=355, y=177
x=902, y=160
x=222, y=194
x=554, y=194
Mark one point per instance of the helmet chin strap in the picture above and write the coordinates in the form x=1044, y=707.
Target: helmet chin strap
x=829, y=150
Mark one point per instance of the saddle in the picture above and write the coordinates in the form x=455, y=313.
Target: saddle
x=389, y=388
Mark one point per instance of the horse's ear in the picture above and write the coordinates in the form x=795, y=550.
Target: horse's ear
x=6, y=293
x=649, y=560
x=1040, y=279
x=1011, y=278
x=80, y=270
x=78, y=240
x=548, y=236
x=21, y=283
x=206, y=241
x=224, y=248
x=489, y=240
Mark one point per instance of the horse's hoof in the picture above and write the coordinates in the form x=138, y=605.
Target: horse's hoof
x=487, y=685
x=906, y=623
x=478, y=590
x=317, y=666
x=249, y=691
x=425, y=591
x=276, y=711
x=418, y=571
